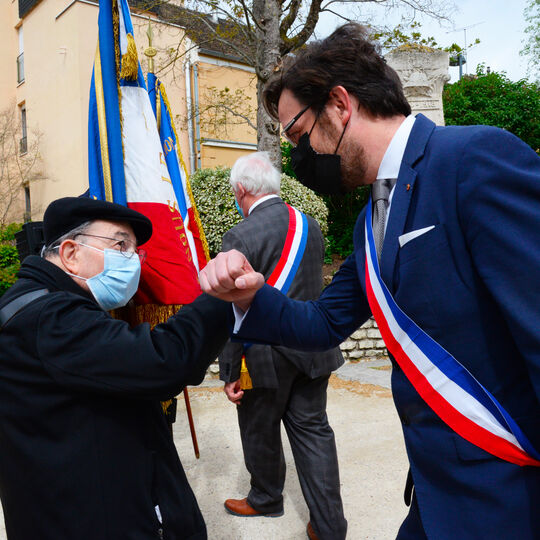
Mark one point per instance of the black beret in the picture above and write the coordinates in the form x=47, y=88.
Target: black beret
x=64, y=215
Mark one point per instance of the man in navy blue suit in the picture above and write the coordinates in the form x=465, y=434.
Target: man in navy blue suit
x=446, y=258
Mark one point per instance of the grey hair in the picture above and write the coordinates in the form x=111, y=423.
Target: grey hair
x=51, y=250
x=256, y=173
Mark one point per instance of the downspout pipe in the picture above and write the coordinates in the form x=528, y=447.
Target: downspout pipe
x=190, y=119
x=197, y=119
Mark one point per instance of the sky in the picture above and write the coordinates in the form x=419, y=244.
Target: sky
x=499, y=24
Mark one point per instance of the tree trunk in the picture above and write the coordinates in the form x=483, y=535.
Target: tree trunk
x=267, y=15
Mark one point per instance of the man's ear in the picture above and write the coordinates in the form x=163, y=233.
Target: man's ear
x=240, y=189
x=339, y=100
x=69, y=255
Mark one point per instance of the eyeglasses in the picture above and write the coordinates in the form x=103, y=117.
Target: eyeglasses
x=125, y=247
x=291, y=124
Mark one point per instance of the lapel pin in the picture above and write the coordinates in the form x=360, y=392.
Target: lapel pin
x=408, y=187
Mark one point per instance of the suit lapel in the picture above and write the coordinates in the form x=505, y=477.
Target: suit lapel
x=396, y=222
x=418, y=139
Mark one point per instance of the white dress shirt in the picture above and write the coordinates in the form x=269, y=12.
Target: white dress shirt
x=391, y=161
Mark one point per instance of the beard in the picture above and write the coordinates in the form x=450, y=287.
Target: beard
x=352, y=154
x=353, y=165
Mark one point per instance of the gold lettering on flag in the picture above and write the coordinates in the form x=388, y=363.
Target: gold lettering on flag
x=180, y=227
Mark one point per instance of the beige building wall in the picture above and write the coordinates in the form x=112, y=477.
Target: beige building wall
x=8, y=85
x=224, y=136
x=60, y=38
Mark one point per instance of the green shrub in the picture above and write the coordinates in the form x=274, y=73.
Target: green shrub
x=494, y=100
x=8, y=276
x=343, y=212
x=9, y=257
x=7, y=233
x=215, y=203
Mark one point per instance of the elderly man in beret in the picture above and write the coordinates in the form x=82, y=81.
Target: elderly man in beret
x=85, y=452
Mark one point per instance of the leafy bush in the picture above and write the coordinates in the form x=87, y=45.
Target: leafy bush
x=494, y=100
x=343, y=212
x=9, y=257
x=215, y=203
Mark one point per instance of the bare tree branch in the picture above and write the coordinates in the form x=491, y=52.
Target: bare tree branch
x=289, y=44
x=16, y=170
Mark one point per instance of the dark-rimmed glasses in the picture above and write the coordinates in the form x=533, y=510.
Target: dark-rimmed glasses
x=291, y=124
x=125, y=247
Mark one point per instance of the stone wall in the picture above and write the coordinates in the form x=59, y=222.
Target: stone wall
x=364, y=344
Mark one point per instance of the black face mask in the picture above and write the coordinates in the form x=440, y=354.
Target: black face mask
x=319, y=172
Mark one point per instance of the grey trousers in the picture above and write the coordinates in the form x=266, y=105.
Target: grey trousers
x=300, y=402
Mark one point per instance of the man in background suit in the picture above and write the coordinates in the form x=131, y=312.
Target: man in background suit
x=458, y=251
x=288, y=385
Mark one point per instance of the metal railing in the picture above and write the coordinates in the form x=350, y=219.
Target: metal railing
x=20, y=68
x=23, y=145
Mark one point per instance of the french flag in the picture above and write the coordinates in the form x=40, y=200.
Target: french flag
x=127, y=162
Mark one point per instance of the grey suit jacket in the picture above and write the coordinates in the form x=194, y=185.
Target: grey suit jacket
x=261, y=237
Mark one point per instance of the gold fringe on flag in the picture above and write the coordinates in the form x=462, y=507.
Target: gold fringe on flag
x=130, y=61
x=116, y=33
x=149, y=313
x=155, y=313
x=245, y=378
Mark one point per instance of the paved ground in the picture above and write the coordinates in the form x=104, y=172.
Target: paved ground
x=370, y=448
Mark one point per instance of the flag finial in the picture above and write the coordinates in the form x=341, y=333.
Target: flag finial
x=150, y=51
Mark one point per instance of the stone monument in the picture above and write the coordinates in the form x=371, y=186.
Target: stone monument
x=423, y=72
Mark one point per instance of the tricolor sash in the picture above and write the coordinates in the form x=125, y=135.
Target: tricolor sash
x=295, y=244
x=283, y=274
x=443, y=383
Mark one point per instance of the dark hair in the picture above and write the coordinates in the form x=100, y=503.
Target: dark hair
x=345, y=58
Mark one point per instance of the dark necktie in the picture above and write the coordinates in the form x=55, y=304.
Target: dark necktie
x=380, y=192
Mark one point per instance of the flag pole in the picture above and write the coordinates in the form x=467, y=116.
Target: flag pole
x=150, y=52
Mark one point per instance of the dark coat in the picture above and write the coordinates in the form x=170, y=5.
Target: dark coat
x=472, y=283
x=261, y=237
x=85, y=451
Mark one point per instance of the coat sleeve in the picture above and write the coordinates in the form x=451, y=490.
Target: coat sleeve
x=83, y=348
x=316, y=325
x=499, y=209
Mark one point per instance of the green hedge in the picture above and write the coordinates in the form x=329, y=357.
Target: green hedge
x=494, y=100
x=9, y=257
x=215, y=203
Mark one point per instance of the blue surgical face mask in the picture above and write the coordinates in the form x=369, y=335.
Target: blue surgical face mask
x=116, y=285
x=240, y=211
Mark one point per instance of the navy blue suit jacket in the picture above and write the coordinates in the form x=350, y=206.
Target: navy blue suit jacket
x=473, y=284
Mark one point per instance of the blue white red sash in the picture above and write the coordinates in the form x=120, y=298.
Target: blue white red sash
x=443, y=383
x=293, y=251
x=289, y=261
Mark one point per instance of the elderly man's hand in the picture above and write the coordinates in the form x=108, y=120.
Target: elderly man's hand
x=230, y=277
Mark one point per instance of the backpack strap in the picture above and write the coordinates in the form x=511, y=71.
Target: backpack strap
x=10, y=310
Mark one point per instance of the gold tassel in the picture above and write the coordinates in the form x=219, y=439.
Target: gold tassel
x=165, y=405
x=245, y=379
x=130, y=61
